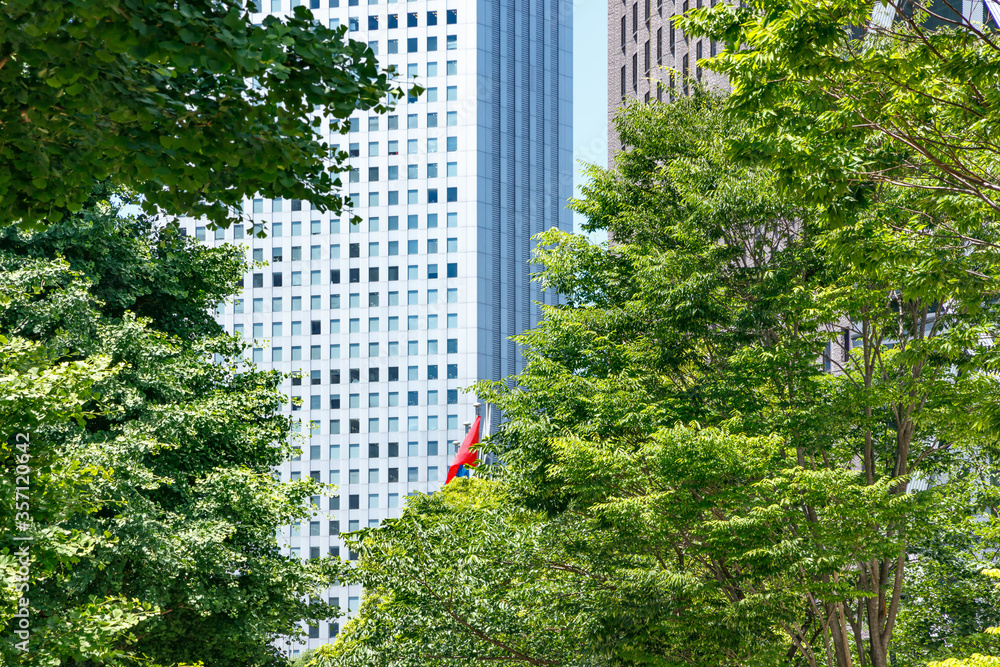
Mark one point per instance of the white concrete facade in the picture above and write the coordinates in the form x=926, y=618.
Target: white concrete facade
x=388, y=321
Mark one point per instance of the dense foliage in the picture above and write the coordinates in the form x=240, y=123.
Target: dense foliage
x=718, y=478
x=189, y=103
x=154, y=517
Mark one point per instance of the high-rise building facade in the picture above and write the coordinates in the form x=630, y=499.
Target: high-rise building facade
x=649, y=59
x=388, y=320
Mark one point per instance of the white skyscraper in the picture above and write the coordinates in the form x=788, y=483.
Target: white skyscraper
x=387, y=320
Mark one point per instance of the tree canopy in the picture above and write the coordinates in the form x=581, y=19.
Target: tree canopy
x=189, y=103
x=155, y=514
x=749, y=436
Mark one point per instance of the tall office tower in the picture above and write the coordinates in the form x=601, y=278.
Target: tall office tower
x=387, y=320
x=649, y=59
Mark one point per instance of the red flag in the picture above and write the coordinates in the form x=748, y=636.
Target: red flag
x=464, y=457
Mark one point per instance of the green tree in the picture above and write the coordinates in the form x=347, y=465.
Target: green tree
x=848, y=96
x=190, y=103
x=749, y=505
x=182, y=509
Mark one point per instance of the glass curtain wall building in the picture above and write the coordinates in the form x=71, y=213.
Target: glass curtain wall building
x=387, y=320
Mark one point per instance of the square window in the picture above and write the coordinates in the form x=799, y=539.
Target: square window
x=432, y=94
x=452, y=118
x=432, y=18
x=432, y=170
x=393, y=45
x=412, y=222
x=411, y=474
x=411, y=373
x=411, y=45
x=432, y=271
x=412, y=171
x=432, y=347
x=432, y=372
x=452, y=145
x=432, y=44
x=451, y=42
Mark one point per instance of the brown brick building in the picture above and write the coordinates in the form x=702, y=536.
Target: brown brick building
x=648, y=58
